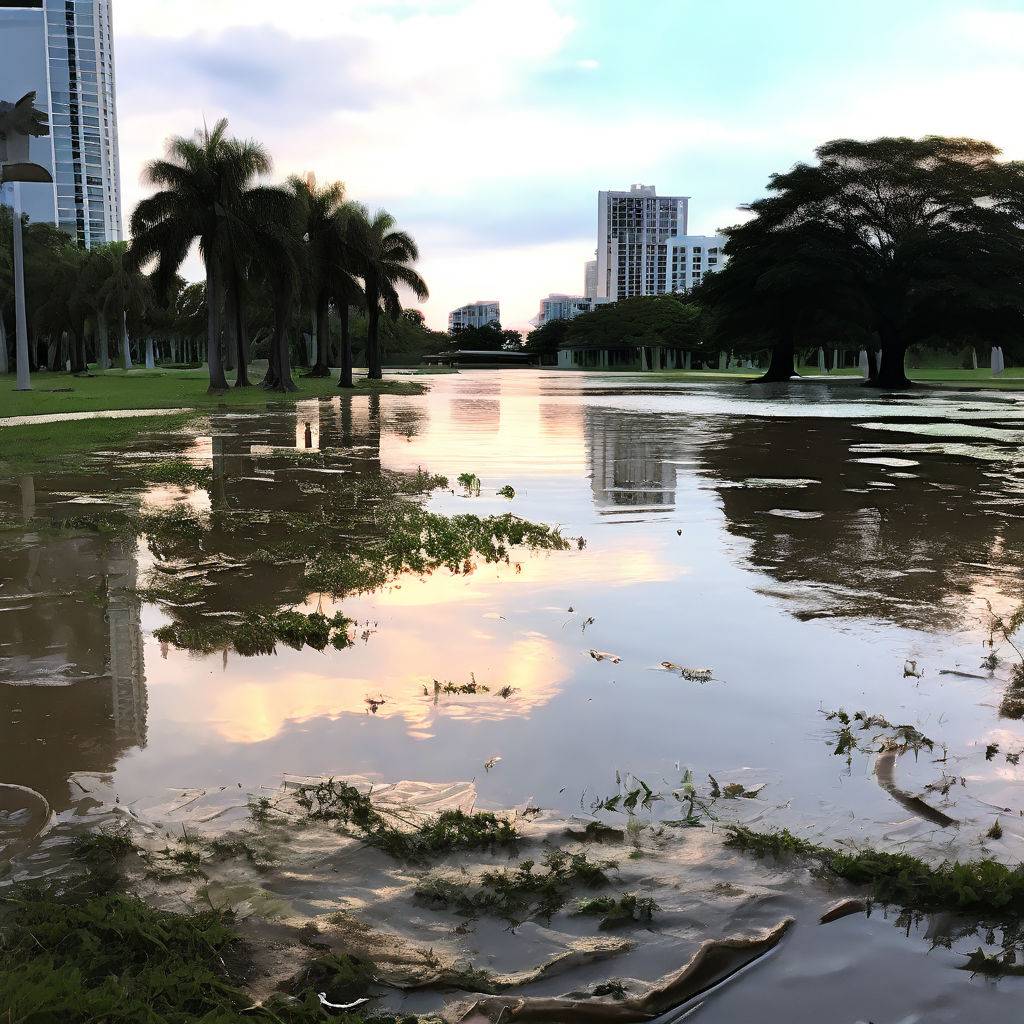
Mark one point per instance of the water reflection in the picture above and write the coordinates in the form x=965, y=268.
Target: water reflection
x=73, y=690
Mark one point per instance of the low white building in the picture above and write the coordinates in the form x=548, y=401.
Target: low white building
x=476, y=314
x=564, y=307
x=691, y=258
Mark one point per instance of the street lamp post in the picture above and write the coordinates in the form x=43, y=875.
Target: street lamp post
x=18, y=123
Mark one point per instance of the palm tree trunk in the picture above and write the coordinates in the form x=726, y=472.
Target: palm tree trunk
x=345, y=380
x=150, y=362
x=236, y=339
x=373, y=335
x=104, y=340
x=5, y=366
x=322, y=368
x=218, y=382
x=126, y=345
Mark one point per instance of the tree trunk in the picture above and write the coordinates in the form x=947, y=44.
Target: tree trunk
x=321, y=368
x=150, y=361
x=781, y=367
x=373, y=335
x=5, y=365
x=76, y=351
x=218, y=382
x=345, y=380
x=237, y=341
x=872, y=366
x=892, y=373
x=279, y=372
x=104, y=340
x=126, y=345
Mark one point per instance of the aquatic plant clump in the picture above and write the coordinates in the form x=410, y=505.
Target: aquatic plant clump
x=521, y=893
x=337, y=802
x=983, y=887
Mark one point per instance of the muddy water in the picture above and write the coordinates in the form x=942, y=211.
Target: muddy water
x=814, y=547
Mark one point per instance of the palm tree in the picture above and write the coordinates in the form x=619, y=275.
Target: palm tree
x=385, y=256
x=273, y=242
x=124, y=294
x=202, y=184
x=325, y=253
x=98, y=269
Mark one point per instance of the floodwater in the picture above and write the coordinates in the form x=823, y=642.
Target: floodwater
x=815, y=546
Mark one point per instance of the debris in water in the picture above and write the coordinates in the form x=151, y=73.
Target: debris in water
x=605, y=656
x=991, y=750
x=910, y=669
x=693, y=675
x=491, y=762
x=508, y=491
x=374, y=703
x=841, y=909
x=996, y=831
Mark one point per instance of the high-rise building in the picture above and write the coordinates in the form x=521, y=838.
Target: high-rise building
x=633, y=230
x=64, y=50
x=692, y=257
x=590, y=279
x=476, y=314
x=565, y=307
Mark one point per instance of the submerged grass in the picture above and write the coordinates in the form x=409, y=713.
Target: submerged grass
x=36, y=446
x=982, y=887
x=520, y=893
x=170, y=389
x=82, y=951
x=337, y=802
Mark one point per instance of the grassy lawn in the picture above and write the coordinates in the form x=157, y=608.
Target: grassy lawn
x=940, y=377
x=56, y=393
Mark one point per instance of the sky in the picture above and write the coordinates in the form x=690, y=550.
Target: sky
x=487, y=127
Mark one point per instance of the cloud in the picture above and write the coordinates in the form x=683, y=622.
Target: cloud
x=484, y=128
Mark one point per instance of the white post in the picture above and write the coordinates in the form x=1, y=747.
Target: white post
x=21, y=322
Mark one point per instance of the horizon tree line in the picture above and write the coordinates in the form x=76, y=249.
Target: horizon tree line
x=277, y=258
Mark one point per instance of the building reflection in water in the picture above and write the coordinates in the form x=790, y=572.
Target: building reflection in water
x=72, y=672
x=630, y=469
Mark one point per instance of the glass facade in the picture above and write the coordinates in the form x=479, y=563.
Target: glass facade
x=83, y=119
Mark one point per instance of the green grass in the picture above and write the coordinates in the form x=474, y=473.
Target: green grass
x=38, y=445
x=55, y=393
x=984, y=887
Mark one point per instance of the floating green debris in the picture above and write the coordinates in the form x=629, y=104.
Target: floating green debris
x=899, y=738
x=618, y=913
x=520, y=893
x=979, y=887
x=177, y=471
x=337, y=802
x=508, y=491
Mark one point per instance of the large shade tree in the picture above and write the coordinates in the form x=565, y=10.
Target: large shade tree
x=899, y=220
x=385, y=259
x=202, y=185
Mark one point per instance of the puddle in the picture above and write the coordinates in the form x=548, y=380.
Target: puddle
x=690, y=553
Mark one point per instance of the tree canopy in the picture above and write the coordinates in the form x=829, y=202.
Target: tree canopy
x=889, y=242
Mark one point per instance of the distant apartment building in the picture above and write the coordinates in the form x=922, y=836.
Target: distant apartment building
x=476, y=314
x=64, y=50
x=633, y=231
x=590, y=279
x=564, y=307
x=691, y=258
